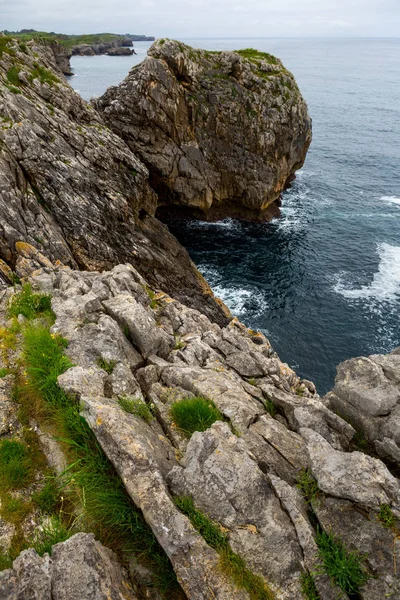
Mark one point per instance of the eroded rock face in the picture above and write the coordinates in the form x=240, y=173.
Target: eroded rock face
x=79, y=569
x=72, y=189
x=220, y=132
x=367, y=393
x=242, y=473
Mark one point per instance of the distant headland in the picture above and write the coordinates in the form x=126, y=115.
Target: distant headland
x=113, y=44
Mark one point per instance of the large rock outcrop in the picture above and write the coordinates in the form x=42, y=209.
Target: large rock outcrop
x=367, y=393
x=72, y=189
x=221, y=133
x=244, y=471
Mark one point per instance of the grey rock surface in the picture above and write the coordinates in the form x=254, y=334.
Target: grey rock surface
x=72, y=190
x=79, y=569
x=220, y=132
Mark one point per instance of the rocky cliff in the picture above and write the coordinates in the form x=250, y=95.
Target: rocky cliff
x=72, y=188
x=259, y=492
x=222, y=133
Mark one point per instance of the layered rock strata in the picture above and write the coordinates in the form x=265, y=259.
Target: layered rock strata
x=73, y=189
x=222, y=133
x=243, y=471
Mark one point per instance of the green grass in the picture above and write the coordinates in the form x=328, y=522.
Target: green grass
x=48, y=498
x=308, y=486
x=308, y=587
x=255, y=55
x=106, y=365
x=44, y=358
x=270, y=407
x=4, y=45
x=43, y=74
x=30, y=304
x=90, y=478
x=51, y=534
x=344, y=567
x=231, y=564
x=136, y=406
x=386, y=516
x=13, y=89
x=12, y=76
x=15, y=465
x=4, y=372
x=194, y=414
x=14, y=510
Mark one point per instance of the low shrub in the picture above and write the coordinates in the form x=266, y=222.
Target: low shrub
x=194, y=414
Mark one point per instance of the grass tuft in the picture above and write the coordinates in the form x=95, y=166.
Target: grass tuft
x=343, y=566
x=43, y=74
x=308, y=486
x=48, y=499
x=4, y=372
x=194, y=414
x=270, y=407
x=15, y=465
x=137, y=407
x=231, y=563
x=52, y=533
x=386, y=516
x=45, y=360
x=107, y=365
x=308, y=587
x=30, y=304
x=13, y=76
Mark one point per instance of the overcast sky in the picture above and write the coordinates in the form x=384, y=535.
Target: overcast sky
x=207, y=18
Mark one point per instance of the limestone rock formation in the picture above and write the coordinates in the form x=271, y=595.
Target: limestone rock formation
x=243, y=471
x=79, y=569
x=72, y=189
x=221, y=133
x=367, y=393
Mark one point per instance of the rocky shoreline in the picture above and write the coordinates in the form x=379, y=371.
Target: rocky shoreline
x=152, y=446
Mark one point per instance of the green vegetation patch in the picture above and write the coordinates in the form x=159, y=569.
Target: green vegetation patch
x=44, y=359
x=344, y=567
x=308, y=587
x=137, y=407
x=386, y=516
x=5, y=41
x=90, y=478
x=194, y=414
x=107, y=365
x=53, y=533
x=13, y=76
x=270, y=407
x=43, y=74
x=48, y=498
x=15, y=465
x=30, y=304
x=4, y=372
x=231, y=563
x=308, y=486
x=255, y=55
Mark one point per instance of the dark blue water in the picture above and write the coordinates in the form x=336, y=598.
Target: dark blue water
x=323, y=280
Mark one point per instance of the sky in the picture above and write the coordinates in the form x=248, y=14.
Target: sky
x=207, y=18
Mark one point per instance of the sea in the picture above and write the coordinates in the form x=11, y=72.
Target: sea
x=322, y=281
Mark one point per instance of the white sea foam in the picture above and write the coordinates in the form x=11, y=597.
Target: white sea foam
x=385, y=285
x=240, y=300
x=224, y=224
x=391, y=199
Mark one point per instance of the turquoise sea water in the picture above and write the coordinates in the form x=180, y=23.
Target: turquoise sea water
x=323, y=280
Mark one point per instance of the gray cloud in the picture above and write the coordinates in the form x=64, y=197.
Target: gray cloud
x=207, y=18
